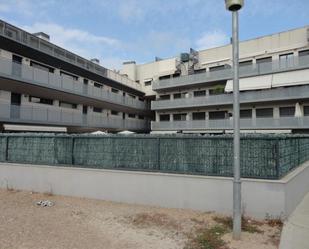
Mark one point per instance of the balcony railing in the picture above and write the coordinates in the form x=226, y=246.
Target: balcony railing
x=293, y=63
x=275, y=94
x=64, y=83
x=51, y=115
x=25, y=38
x=227, y=124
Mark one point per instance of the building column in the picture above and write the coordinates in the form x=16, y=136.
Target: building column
x=276, y=112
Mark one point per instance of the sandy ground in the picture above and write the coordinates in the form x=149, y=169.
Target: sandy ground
x=82, y=223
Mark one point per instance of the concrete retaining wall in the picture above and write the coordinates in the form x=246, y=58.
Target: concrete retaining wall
x=260, y=197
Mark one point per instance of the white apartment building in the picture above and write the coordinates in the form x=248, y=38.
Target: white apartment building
x=193, y=92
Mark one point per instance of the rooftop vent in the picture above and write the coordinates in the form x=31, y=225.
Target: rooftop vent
x=128, y=62
x=95, y=60
x=42, y=35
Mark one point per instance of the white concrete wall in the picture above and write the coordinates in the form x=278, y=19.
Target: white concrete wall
x=260, y=197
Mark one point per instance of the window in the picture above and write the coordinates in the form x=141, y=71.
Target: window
x=97, y=109
x=217, y=68
x=264, y=113
x=132, y=115
x=115, y=90
x=202, y=70
x=41, y=67
x=180, y=117
x=245, y=63
x=287, y=111
x=69, y=75
x=286, y=60
x=199, y=93
x=141, y=99
x=218, y=115
x=217, y=90
x=98, y=85
x=114, y=112
x=137, y=81
x=164, y=77
x=179, y=95
x=198, y=115
x=140, y=117
x=86, y=82
x=132, y=96
x=40, y=100
x=164, y=97
x=67, y=105
x=306, y=110
x=264, y=60
x=164, y=117
x=246, y=113
x=303, y=53
x=147, y=83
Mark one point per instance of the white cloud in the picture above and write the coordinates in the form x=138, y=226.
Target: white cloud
x=212, y=39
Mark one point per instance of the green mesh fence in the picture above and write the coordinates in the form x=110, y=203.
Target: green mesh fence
x=267, y=156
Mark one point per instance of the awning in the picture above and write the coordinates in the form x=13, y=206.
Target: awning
x=299, y=77
x=251, y=83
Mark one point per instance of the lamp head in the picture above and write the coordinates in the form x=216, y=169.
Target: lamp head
x=234, y=5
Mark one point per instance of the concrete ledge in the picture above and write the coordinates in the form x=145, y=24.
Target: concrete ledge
x=260, y=197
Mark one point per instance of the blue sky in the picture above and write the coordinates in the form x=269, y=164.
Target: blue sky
x=119, y=30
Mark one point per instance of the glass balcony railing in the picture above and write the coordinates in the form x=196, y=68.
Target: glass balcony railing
x=227, y=124
x=64, y=83
x=293, y=63
x=52, y=115
x=269, y=95
x=30, y=40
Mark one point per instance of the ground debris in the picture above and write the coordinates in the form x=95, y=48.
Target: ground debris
x=45, y=203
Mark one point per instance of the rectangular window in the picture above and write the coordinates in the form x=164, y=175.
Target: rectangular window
x=132, y=96
x=218, y=115
x=97, y=109
x=164, y=117
x=140, y=117
x=246, y=113
x=286, y=60
x=85, y=81
x=98, y=85
x=40, y=100
x=199, y=93
x=303, y=53
x=202, y=70
x=132, y=115
x=164, y=77
x=164, y=97
x=147, y=83
x=180, y=117
x=114, y=112
x=287, y=111
x=41, y=67
x=69, y=75
x=245, y=63
x=264, y=60
x=216, y=68
x=177, y=95
x=198, y=115
x=67, y=105
x=306, y=110
x=265, y=113
x=115, y=90
x=217, y=90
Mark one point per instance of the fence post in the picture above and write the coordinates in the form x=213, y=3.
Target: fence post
x=277, y=159
x=72, y=151
x=6, y=149
x=158, y=155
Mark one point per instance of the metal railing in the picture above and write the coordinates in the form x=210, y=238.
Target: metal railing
x=269, y=95
x=53, y=115
x=263, y=156
x=30, y=40
x=227, y=124
x=276, y=66
x=39, y=77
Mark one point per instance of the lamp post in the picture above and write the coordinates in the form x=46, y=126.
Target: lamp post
x=234, y=6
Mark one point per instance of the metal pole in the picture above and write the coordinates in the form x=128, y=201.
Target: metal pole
x=236, y=182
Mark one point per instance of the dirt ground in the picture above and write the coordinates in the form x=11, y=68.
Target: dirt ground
x=82, y=223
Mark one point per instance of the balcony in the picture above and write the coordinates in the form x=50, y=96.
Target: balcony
x=293, y=63
x=38, y=77
x=25, y=38
x=51, y=115
x=284, y=123
x=270, y=95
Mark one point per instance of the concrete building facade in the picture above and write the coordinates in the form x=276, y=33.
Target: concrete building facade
x=42, y=84
x=193, y=92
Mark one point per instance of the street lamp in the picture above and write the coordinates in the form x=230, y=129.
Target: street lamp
x=235, y=6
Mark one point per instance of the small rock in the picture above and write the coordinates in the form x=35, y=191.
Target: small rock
x=45, y=203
